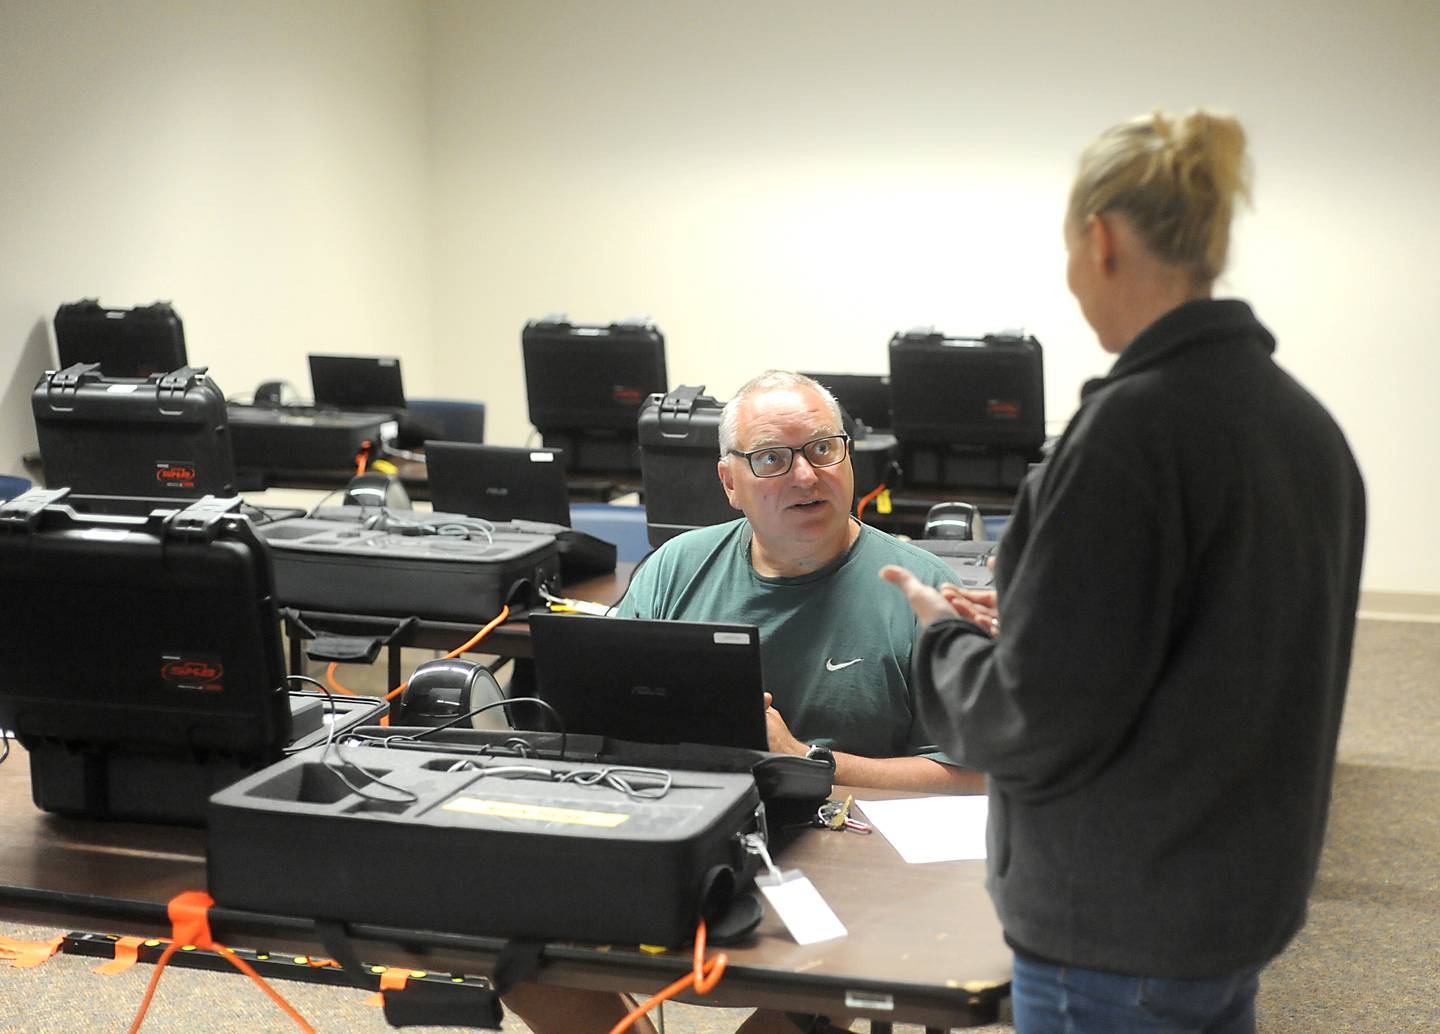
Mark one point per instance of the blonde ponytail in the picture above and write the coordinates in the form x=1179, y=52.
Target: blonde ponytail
x=1176, y=180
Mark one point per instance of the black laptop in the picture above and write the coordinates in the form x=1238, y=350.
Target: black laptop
x=357, y=383
x=498, y=482
x=652, y=681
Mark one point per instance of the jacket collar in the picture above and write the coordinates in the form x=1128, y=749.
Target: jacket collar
x=1184, y=327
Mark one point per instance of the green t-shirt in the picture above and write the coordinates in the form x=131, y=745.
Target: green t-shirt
x=834, y=644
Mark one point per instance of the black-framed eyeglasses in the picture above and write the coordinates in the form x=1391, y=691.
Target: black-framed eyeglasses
x=775, y=460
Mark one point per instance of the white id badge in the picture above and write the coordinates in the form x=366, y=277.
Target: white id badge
x=800, y=907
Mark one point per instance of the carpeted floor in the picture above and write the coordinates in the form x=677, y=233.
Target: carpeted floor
x=1368, y=962
x=1369, y=958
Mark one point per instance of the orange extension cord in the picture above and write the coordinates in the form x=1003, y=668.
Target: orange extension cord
x=189, y=918
x=499, y=619
x=865, y=501
x=704, y=976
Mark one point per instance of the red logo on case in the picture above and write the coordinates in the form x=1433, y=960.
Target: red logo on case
x=178, y=475
x=193, y=673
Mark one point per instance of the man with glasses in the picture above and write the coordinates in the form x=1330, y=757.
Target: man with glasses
x=834, y=639
x=835, y=648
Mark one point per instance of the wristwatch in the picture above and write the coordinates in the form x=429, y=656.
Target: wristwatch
x=819, y=753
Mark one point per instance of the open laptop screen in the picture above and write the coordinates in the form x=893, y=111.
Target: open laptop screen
x=497, y=482
x=357, y=382
x=652, y=681
x=866, y=397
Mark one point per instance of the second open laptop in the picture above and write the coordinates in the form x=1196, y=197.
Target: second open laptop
x=498, y=483
x=652, y=681
x=357, y=383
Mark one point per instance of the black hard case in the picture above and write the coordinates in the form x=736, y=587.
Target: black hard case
x=138, y=342
x=679, y=449
x=270, y=439
x=590, y=377
x=480, y=854
x=166, y=436
x=140, y=657
x=987, y=391
x=585, y=384
x=967, y=411
x=343, y=566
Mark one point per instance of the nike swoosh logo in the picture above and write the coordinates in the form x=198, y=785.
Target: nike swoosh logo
x=832, y=666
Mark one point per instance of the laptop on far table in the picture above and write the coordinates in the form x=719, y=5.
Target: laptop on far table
x=357, y=383
x=652, y=681
x=498, y=483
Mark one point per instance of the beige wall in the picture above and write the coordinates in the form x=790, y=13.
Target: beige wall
x=262, y=165
x=774, y=183
x=789, y=183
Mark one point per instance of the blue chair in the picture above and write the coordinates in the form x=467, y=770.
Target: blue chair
x=456, y=421
x=10, y=487
x=622, y=525
x=995, y=525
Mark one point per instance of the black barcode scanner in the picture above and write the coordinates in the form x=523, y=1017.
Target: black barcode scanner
x=442, y=690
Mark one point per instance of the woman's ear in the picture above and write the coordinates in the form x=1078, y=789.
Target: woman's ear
x=1100, y=242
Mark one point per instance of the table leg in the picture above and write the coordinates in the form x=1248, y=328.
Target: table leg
x=394, y=655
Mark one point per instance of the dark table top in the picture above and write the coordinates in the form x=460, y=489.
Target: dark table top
x=924, y=945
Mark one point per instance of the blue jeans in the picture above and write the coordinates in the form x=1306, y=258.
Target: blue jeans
x=1051, y=999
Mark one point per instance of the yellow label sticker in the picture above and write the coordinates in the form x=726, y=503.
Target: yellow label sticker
x=535, y=812
x=882, y=502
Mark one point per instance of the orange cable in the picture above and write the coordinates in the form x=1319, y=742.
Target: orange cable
x=333, y=682
x=865, y=500
x=704, y=975
x=498, y=619
x=189, y=916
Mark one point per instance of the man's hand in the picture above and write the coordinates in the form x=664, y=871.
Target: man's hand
x=932, y=605
x=782, y=740
x=907, y=773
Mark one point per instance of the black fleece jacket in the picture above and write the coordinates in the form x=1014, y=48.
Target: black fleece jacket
x=1158, y=715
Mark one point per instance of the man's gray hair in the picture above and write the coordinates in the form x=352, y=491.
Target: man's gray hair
x=772, y=380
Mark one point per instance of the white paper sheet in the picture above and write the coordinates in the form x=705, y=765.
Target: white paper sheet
x=931, y=829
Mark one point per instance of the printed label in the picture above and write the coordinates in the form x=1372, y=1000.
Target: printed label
x=732, y=638
x=535, y=812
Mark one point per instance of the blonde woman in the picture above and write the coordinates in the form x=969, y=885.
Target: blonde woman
x=1155, y=688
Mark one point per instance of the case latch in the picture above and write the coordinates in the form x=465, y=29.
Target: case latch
x=64, y=384
x=25, y=509
x=171, y=389
x=200, y=518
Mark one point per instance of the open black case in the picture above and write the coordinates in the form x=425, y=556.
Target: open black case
x=140, y=657
x=516, y=833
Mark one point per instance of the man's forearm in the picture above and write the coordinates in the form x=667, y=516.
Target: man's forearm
x=910, y=773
